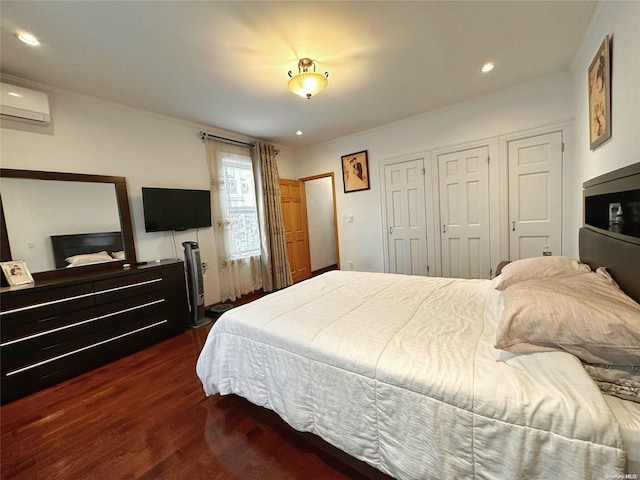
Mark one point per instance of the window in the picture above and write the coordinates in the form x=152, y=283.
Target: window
x=240, y=198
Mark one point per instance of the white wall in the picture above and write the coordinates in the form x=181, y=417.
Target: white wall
x=620, y=20
x=96, y=137
x=544, y=101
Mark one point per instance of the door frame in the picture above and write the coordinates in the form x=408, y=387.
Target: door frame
x=335, y=210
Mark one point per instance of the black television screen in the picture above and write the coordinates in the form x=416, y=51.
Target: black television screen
x=175, y=209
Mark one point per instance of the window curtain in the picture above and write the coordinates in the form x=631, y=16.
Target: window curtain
x=276, y=273
x=239, y=265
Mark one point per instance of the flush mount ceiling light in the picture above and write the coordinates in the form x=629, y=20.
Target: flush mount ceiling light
x=487, y=67
x=28, y=39
x=306, y=83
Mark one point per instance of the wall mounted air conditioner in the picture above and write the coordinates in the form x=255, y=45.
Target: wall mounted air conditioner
x=23, y=104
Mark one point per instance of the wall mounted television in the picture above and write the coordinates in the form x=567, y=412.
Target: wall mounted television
x=175, y=209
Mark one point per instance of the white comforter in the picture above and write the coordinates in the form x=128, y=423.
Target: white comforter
x=400, y=372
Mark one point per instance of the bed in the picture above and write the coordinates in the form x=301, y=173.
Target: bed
x=87, y=248
x=403, y=373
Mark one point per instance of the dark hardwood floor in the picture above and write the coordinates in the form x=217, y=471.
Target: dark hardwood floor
x=146, y=416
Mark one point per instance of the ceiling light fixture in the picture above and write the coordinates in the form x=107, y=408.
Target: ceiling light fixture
x=306, y=83
x=28, y=39
x=487, y=67
x=299, y=132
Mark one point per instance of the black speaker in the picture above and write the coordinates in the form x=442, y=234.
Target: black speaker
x=195, y=284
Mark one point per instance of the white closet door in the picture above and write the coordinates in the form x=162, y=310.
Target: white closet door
x=464, y=213
x=405, y=217
x=535, y=195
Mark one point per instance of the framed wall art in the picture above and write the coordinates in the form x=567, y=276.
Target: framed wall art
x=16, y=272
x=599, y=75
x=355, y=172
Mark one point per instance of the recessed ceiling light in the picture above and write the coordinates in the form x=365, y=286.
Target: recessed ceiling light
x=299, y=132
x=28, y=39
x=487, y=67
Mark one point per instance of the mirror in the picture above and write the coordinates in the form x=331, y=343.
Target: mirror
x=50, y=216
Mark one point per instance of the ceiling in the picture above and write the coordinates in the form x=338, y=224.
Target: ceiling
x=225, y=64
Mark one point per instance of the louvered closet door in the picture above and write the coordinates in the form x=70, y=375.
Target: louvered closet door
x=464, y=213
x=535, y=195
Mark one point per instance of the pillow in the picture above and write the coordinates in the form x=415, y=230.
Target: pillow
x=623, y=382
x=539, y=267
x=85, y=258
x=586, y=315
x=118, y=255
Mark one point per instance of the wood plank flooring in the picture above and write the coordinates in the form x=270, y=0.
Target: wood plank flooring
x=145, y=416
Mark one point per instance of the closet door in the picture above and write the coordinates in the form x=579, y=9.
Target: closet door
x=405, y=217
x=535, y=195
x=464, y=213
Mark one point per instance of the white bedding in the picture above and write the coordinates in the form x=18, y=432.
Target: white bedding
x=400, y=372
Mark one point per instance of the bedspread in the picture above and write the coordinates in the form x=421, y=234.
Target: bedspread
x=401, y=372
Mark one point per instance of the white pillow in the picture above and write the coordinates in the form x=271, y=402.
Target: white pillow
x=539, y=267
x=586, y=315
x=86, y=258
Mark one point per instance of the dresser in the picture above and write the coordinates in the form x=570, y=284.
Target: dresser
x=55, y=330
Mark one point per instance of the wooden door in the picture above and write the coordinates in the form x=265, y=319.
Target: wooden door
x=535, y=195
x=405, y=217
x=464, y=213
x=294, y=213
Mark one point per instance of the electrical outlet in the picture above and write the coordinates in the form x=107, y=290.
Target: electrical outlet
x=350, y=265
x=205, y=265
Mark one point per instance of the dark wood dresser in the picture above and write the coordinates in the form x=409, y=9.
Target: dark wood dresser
x=55, y=330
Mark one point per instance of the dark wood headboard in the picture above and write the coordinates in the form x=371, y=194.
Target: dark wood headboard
x=616, y=246
x=77, y=244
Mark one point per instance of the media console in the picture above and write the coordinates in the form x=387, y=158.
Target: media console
x=57, y=329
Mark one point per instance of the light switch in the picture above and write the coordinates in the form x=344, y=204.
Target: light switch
x=349, y=218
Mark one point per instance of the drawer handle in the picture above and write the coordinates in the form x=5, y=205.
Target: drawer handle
x=131, y=309
x=53, y=359
x=132, y=285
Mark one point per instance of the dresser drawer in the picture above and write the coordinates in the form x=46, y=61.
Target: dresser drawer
x=115, y=289
x=31, y=305
x=38, y=333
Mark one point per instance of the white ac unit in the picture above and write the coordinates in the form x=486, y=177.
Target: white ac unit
x=23, y=104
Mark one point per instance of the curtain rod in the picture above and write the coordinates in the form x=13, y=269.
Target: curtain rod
x=204, y=135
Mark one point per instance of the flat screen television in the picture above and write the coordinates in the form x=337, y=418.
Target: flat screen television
x=175, y=209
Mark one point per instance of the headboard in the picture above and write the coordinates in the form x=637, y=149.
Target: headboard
x=68, y=245
x=613, y=244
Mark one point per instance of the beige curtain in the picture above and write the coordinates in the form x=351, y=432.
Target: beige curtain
x=276, y=273
x=239, y=264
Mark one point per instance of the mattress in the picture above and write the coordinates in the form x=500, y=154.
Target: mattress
x=400, y=372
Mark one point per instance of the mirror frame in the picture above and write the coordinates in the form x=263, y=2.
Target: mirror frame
x=124, y=212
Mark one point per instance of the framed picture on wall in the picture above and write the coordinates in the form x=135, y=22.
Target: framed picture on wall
x=599, y=75
x=355, y=172
x=16, y=272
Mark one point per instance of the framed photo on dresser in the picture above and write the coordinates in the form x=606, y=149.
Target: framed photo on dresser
x=16, y=272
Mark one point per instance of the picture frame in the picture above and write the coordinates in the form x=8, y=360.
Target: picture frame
x=355, y=172
x=599, y=78
x=16, y=272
